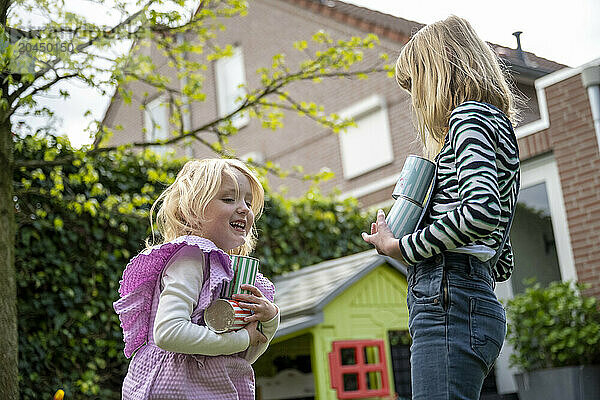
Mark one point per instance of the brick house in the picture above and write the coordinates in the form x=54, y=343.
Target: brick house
x=557, y=126
x=555, y=233
x=557, y=226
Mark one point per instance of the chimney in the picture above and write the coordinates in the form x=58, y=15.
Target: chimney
x=520, y=52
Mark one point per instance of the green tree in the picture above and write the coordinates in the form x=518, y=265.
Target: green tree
x=175, y=28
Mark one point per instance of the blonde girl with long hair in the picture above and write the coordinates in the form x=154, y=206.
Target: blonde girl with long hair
x=207, y=213
x=464, y=110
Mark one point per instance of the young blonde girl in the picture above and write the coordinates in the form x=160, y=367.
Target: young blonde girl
x=206, y=214
x=463, y=107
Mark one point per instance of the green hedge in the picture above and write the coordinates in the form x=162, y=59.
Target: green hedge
x=79, y=224
x=301, y=232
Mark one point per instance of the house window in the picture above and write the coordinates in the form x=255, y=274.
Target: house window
x=156, y=122
x=541, y=244
x=358, y=369
x=539, y=235
x=368, y=145
x=231, y=79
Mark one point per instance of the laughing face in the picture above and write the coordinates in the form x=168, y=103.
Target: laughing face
x=229, y=215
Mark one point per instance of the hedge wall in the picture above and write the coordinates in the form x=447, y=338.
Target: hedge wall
x=79, y=224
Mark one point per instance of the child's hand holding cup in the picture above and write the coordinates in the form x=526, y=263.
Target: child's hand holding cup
x=262, y=309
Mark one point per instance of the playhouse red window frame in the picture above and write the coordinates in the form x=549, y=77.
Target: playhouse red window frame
x=360, y=368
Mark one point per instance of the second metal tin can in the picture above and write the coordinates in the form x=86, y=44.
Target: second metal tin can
x=224, y=315
x=403, y=217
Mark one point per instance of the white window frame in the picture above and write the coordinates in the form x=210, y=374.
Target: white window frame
x=545, y=170
x=350, y=165
x=225, y=89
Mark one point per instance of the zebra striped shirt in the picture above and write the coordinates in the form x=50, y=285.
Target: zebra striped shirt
x=475, y=190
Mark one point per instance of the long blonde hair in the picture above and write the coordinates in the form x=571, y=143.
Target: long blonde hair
x=443, y=65
x=182, y=205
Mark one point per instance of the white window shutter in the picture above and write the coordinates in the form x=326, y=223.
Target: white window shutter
x=230, y=75
x=156, y=122
x=368, y=145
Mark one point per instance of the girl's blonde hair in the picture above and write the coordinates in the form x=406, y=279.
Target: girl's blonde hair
x=443, y=65
x=183, y=203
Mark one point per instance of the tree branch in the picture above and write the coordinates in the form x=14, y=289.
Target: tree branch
x=269, y=89
x=51, y=64
x=40, y=89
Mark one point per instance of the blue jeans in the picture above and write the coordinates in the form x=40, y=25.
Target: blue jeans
x=457, y=326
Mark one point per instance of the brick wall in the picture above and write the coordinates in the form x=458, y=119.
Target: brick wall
x=262, y=34
x=534, y=144
x=129, y=116
x=571, y=138
x=302, y=141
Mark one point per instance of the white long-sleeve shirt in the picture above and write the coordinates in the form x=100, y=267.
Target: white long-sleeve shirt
x=173, y=329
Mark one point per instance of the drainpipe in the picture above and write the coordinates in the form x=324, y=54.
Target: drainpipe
x=591, y=80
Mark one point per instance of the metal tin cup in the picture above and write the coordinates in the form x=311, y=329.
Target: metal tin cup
x=224, y=315
x=244, y=272
x=415, y=179
x=403, y=217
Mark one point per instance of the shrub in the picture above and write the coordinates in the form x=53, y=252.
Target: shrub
x=302, y=232
x=553, y=327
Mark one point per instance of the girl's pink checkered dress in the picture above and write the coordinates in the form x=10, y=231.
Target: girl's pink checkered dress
x=155, y=373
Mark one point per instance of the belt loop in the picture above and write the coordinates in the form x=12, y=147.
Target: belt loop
x=470, y=265
x=491, y=271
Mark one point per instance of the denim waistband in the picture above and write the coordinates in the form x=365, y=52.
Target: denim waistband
x=451, y=261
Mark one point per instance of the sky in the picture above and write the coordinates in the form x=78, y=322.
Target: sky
x=565, y=32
